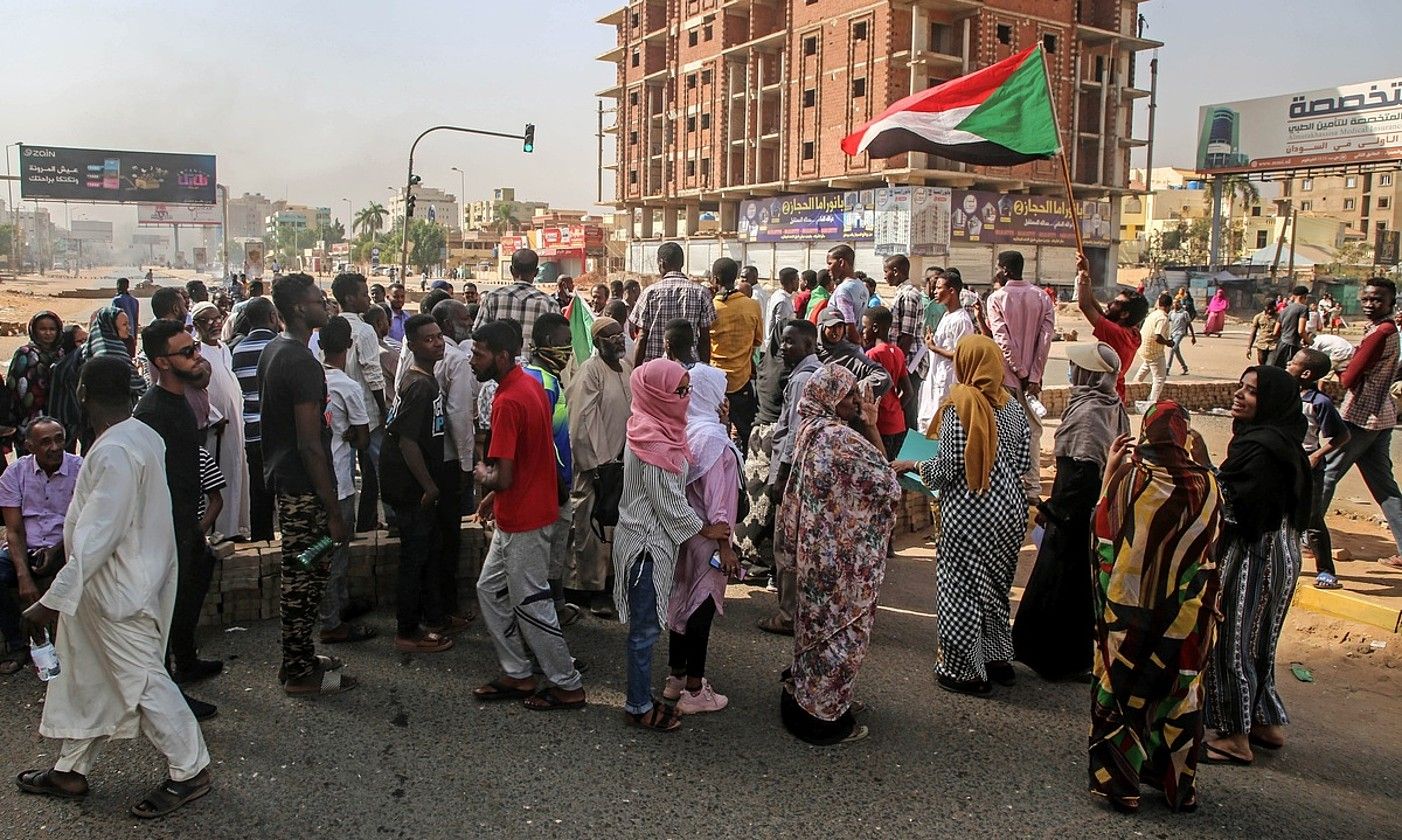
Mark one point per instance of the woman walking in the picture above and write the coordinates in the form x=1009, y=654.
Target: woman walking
x=1053, y=634
x=984, y=450
x=1155, y=587
x=654, y=519
x=1266, y=483
x=31, y=372
x=698, y=587
x=1216, y=313
x=836, y=520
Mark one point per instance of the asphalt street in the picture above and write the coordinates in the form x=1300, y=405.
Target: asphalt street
x=409, y=754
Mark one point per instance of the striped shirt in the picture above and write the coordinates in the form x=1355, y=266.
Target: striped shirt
x=246, y=355
x=211, y=479
x=653, y=517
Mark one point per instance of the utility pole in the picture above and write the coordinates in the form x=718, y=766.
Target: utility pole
x=224, y=225
x=1215, y=242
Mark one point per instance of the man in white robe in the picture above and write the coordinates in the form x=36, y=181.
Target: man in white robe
x=225, y=436
x=954, y=325
x=109, y=610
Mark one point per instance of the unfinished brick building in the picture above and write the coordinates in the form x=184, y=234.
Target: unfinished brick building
x=724, y=101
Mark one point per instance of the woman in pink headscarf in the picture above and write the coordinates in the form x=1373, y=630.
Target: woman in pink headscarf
x=654, y=519
x=1216, y=313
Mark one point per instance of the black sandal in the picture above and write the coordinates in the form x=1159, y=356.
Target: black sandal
x=660, y=718
x=499, y=691
x=549, y=701
x=41, y=783
x=169, y=796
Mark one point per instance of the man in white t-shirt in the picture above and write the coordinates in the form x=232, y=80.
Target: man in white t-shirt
x=1153, y=338
x=1339, y=350
x=350, y=433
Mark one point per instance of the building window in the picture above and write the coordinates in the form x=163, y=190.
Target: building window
x=859, y=87
x=705, y=77
x=1306, y=206
x=810, y=45
x=706, y=32
x=808, y=150
x=705, y=121
x=1307, y=185
x=1384, y=180
x=1049, y=43
x=1384, y=202
x=1005, y=33
x=1256, y=211
x=942, y=38
x=691, y=169
x=1261, y=239
x=632, y=97
x=690, y=123
x=1363, y=226
x=633, y=20
x=705, y=168
x=635, y=58
x=632, y=176
x=859, y=31
x=691, y=81
x=810, y=97
x=632, y=138
x=1349, y=204
x=692, y=38
x=1350, y=182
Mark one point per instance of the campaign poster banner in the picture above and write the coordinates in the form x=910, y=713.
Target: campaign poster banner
x=55, y=173
x=194, y=215
x=1349, y=124
x=990, y=218
x=817, y=217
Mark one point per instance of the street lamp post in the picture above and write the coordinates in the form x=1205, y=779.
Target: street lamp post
x=224, y=225
x=10, y=197
x=462, y=197
x=527, y=137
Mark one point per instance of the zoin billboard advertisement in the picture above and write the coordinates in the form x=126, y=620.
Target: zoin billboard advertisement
x=54, y=173
x=1350, y=124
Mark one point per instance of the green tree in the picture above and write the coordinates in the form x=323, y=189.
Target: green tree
x=502, y=217
x=426, y=243
x=7, y=234
x=371, y=219
x=330, y=234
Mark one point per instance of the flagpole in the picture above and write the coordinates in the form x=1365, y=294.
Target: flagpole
x=1065, y=165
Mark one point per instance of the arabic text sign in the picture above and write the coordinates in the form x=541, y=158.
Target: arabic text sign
x=835, y=216
x=1350, y=124
x=989, y=218
x=52, y=173
x=197, y=215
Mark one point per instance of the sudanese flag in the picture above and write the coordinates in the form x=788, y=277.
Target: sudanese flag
x=1001, y=115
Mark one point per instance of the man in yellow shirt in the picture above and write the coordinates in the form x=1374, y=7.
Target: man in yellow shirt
x=737, y=332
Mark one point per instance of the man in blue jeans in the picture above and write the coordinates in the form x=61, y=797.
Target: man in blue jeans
x=34, y=496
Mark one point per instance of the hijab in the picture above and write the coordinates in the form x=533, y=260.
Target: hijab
x=978, y=365
x=1094, y=415
x=707, y=439
x=102, y=338
x=657, y=426
x=1218, y=302
x=47, y=355
x=1163, y=441
x=817, y=404
x=1265, y=472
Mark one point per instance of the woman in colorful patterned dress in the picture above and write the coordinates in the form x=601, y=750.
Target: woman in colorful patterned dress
x=984, y=450
x=837, y=517
x=1156, y=529
x=27, y=382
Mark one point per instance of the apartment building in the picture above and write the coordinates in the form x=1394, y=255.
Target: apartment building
x=429, y=203
x=483, y=215
x=721, y=103
x=1364, y=201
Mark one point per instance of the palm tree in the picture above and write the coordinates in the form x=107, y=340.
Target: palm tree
x=503, y=220
x=371, y=219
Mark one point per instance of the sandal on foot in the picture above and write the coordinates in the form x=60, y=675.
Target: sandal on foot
x=859, y=733
x=351, y=634
x=973, y=688
x=42, y=782
x=14, y=664
x=1258, y=741
x=168, y=796
x=1324, y=580
x=330, y=682
x=659, y=718
x=775, y=625
x=549, y=701
x=1395, y=561
x=498, y=690
x=427, y=643
x=453, y=626
x=1214, y=755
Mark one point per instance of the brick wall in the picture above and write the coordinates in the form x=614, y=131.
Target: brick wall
x=1194, y=396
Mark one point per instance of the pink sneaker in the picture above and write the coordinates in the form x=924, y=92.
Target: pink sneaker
x=700, y=702
x=672, y=691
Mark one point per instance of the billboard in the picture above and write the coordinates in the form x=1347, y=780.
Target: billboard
x=989, y=218
x=835, y=216
x=90, y=231
x=53, y=173
x=194, y=215
x=1350, y=124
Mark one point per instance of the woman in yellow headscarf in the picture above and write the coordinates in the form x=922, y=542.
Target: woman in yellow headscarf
x=984, y=449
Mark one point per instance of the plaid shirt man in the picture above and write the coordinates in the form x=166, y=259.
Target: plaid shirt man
x=521, y=302
x=674, y=296
x=908, y=312
x=1368, y=403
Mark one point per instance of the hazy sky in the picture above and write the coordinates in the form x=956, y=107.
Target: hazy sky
x=318, y=101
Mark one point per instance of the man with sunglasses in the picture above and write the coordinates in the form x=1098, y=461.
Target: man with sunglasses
x=177, y=366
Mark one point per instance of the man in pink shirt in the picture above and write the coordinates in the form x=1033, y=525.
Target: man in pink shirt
x=1022, y=319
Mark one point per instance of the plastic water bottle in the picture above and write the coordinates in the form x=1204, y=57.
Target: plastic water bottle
x=1036, y=406
x=307, y=559
x=45, y=659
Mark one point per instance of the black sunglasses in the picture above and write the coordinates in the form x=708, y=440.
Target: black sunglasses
x=189, y=352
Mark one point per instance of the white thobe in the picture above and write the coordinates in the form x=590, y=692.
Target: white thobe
x=952, y=327
x=459, y=386
x=227, y=444
x=115, y=596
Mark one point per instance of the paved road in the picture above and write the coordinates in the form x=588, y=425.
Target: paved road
x=410, y=755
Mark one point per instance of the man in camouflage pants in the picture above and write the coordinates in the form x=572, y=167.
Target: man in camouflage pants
x=756, y=533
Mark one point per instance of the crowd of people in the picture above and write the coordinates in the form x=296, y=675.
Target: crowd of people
x=700, y=434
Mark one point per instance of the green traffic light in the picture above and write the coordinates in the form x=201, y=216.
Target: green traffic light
x=528, y=138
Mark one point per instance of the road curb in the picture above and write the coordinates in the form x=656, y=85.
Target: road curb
x=1340, y=603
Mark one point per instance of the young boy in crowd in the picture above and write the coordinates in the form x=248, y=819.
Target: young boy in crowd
x=890, y=418
x=1326, y=433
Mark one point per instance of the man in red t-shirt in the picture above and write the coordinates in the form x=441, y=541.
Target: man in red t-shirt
x=890, y=417
x=1117, y=324
x=522, y=487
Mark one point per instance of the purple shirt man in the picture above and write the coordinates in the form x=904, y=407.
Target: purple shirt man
x=42, y=499
x=1022, y=320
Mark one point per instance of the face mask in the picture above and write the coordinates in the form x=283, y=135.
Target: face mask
x=558, y=357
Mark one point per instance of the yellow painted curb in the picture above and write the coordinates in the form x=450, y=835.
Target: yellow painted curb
x=1347, y=605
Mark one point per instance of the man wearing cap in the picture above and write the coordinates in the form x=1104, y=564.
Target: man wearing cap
x=834, y=348
x=600, y=400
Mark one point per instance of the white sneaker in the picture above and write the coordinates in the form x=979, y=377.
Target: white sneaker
x=702, y=701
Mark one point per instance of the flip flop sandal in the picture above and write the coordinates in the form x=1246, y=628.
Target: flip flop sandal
x=332, y=682
x=547, y=701
x=41, y=782
x=427, y=643
x=167, y=797
x=500, y=691
x=1258, y=741
x=858, y=734
x=1213, y=755
x=663, y=719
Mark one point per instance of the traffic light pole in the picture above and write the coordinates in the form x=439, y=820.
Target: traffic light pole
x=528, y=137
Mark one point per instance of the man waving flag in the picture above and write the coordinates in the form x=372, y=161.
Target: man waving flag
x=1001, y=115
